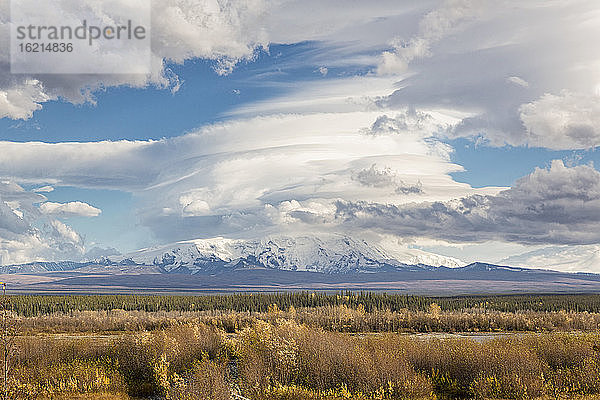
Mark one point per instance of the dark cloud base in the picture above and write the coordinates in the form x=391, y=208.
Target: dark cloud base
x=559, y=205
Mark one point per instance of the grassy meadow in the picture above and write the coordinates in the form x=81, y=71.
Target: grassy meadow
x=302, y=346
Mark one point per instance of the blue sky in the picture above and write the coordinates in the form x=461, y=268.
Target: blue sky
x=264, y=118
x=146, y=113
x=501, y=166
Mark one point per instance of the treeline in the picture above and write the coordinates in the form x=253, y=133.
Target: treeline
x=330, y=318
x=36, y=305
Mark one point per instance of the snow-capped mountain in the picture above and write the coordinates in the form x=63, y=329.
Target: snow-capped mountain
x=309, y=262
x=326, y=254
x=584, y=258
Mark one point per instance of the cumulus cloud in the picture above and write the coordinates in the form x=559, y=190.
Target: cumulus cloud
x=559, y=205
x=27, y=235
x=74, y=208
x=525, y=74
x=408, y=121
x=225, y=32
x=382, y=178
x=18, y=100
x=565, y=121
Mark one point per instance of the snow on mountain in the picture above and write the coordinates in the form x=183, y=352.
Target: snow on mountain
x=325, y=253
x=419, y=257
x=585, y=258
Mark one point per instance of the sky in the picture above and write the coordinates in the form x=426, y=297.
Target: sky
x=466, y=128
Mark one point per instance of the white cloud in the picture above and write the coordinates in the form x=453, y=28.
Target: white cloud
x=226, y=32
x=286, y=170
x=357, y=93
x=192, y=206
x=115, y=165
x=518, y=81
x=74, y=208
x=385, y=178
x=520, y=70
x=218, y=30
x=564, y=121
x=434, y=26
x=67, y=234
x=560, y=258
x=27, y=235
x=240, y=177
x=20, y=100
x=43, y=189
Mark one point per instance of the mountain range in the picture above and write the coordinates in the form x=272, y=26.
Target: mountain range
x=329, y=262
x=331, y=254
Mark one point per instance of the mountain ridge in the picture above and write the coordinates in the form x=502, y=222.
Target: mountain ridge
x=330, y=254
x=326, y=254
